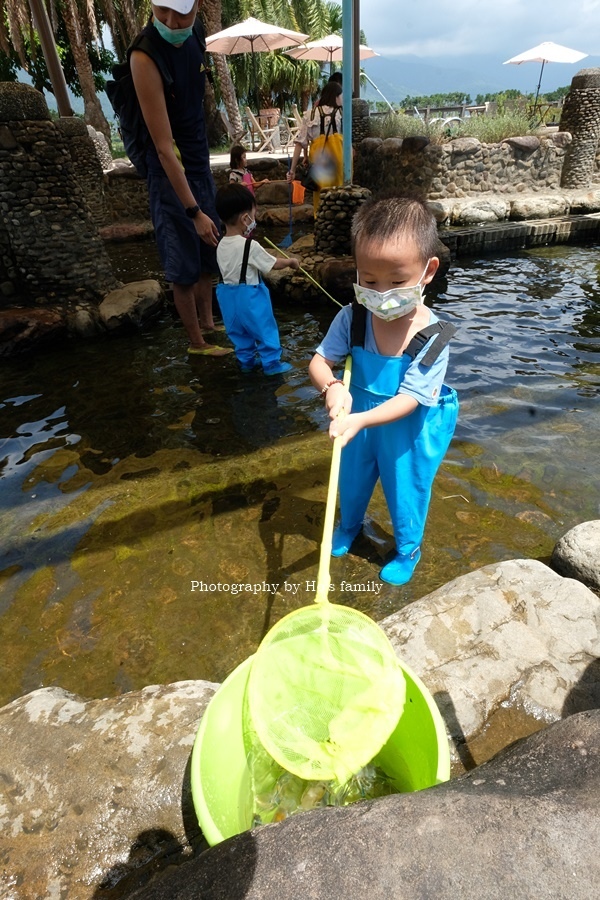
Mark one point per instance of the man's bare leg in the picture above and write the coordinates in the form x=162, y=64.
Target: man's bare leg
x=204, y=306
x=185, y=304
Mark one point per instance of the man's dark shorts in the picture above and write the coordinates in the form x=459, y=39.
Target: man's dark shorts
x=183, y=254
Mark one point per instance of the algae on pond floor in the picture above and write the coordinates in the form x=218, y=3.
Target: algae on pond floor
x=175, y=565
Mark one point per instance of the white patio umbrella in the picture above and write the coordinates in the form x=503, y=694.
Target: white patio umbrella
x=328, y=49
x=543, y=53
x=253, y=36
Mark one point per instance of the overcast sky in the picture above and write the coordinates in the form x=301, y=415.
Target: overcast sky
x=500, y=29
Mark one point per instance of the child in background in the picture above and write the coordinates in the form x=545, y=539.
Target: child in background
x=239, y=174
x=403, y=415
x=243, y=298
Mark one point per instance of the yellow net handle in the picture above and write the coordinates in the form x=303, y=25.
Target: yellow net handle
x=325, y=556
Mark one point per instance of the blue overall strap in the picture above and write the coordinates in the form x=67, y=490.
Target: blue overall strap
x=444, y=331
x=245, y=257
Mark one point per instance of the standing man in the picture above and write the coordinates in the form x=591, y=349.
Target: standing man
x=181, y=193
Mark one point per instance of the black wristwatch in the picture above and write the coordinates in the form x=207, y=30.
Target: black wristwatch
x=192, y=211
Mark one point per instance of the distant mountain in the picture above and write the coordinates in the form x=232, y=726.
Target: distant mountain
x=400, y=76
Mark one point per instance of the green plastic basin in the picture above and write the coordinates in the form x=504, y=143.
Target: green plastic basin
x=416, y=755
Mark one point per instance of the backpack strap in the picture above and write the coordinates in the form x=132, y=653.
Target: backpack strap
x=444, y=331
x=358, y=328
x=245, y=258
x=331, y=127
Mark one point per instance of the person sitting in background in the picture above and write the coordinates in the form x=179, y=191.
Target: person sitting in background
x=239, y=173
x=244, y=299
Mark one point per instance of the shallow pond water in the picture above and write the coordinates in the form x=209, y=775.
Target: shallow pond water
x=158, y=513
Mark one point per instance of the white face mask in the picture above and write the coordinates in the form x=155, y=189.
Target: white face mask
x=249, y=228
x=393, y=303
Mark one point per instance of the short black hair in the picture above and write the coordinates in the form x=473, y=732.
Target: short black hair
x=393, y=217
x=330, y=93
x=336, y=77
x=235, y=155
x=233, y=201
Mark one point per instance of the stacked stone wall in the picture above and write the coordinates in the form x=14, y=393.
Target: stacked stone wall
x=581, y=117
x=86, y=163
x=461, y=168
x=334, y=218
x=51, y=250
x=361, y=126
x=125, y=195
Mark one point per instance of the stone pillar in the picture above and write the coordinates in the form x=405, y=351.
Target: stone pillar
x=51, y=250
x=360, y=120
x=86, y=163
x=581, y=117
x=334, y=219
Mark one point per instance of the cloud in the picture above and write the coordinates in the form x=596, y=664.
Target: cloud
x=437, y=28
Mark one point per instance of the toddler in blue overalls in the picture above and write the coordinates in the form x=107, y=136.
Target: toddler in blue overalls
x=243, y=297
x=400, y=416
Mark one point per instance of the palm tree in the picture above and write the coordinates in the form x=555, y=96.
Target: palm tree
x=81, y=26
x=212, y=15
x=277, y=74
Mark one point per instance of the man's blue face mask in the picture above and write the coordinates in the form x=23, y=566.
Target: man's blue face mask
x=173, y=35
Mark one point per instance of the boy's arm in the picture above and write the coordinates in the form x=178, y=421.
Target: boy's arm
x=151, y=95
x=320, y=371
x=287, y=263
x=396, y=408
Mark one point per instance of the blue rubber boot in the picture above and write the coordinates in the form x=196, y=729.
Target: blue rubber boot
x=342, y=540
x=277, y=368
x=400, y=569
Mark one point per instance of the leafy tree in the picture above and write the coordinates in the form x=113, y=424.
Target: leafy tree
x=559, y=94
x=501, y=97
x=75, y=24
x=455, y=98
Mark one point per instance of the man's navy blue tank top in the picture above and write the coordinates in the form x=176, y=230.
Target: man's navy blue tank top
x=185, y=105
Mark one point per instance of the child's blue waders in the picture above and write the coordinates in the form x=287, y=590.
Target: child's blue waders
x=249, y=321
x=404, y=454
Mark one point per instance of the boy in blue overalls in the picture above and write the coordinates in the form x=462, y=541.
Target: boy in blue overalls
x=243, y=298
x=403, y=415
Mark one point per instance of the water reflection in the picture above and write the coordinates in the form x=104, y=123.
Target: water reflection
x=128, y=470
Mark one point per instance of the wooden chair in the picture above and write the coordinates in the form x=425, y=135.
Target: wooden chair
x=291, y=127
x=245, y=138
x=268, y=137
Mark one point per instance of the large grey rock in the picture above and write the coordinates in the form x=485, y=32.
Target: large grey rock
x=584, y=202
x=515, y=632
x=275, y=193
x=577, y=554
x=95, y=794
x=82, y=782
x=131, y=304
x=525, y=825
x=465, y=146
x=527, y=143
x=545, y=207
x=477, y=212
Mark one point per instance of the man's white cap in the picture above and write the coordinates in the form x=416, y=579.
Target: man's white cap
x=180, y=6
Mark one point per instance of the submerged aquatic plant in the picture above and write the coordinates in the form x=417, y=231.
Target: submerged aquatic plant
x=277, y=794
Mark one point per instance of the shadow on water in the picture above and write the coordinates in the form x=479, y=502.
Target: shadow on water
x=129, y=472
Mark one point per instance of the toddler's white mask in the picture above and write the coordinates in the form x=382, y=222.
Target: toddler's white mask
x=393, y=303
